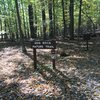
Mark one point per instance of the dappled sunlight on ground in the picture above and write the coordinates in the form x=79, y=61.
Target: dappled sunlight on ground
x=16, y=67
x=38, y=86
x=83, y=67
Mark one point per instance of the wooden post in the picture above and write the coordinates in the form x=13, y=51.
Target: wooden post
x=87, y=44
x=35, y=59
x=53, y=63
x=53, y=58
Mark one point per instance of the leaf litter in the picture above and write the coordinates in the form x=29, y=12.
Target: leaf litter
x=16, y=70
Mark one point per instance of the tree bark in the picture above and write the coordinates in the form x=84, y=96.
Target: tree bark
x=43, y=20
x=50, y=19
x=25, y=35
x=54, y=18
x=71, y=8
x=20, y=28
x=31, y=21
x=79, y=19
x=64, y=22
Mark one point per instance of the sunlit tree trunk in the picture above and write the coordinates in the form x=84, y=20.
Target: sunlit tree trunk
x=27, y=27
x=24, y=30
x=16, y=31
x=4, y=15
x=9, y=20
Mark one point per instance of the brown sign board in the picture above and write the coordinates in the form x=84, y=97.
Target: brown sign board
x=43, y=44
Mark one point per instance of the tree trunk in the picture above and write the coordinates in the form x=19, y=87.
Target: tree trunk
x=71, y=19
x=27, y=26
x=20, y=28
x=79, y=19
x=31, y=21
x=64, y=22
x=1, y=25
x=50, y=19
x=54, y=18
x=9, y=21
x=35, y=20
x=16, y=26
x=43, y=20
x=23, y=19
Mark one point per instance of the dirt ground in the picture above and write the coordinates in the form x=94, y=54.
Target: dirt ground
x=18, y=81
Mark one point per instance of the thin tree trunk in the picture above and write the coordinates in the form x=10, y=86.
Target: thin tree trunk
x=35, y=20
x=4, y=15
x=50, y=19
x=5, y=25
x=23, y=19
x=16, y=26
x=54, y=18
x=27, y=25
x=64, y=22
x=43, y=20
x=1, y=25
x=79, y=19
x=9, y=21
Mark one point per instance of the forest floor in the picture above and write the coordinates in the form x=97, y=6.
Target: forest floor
x=76, y=77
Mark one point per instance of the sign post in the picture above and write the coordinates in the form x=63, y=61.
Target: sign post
x=35, y=59
x=53, y=58
x=43, y=44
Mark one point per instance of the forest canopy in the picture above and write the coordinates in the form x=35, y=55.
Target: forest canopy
x=49, y=18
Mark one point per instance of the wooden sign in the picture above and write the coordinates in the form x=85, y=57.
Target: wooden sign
x=47, y=44
x=43, y=44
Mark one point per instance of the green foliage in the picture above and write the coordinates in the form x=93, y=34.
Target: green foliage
x=91, y=9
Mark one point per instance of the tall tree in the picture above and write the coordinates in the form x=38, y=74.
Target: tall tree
x=64, y=22
x=71, y=10
x=31, y=21
x=54, y=18
x=23, y=11
x=43, y=19
x=50, y=8
x=79, y=19
x=9, y=19
x=35, y=19
x=20, y=28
